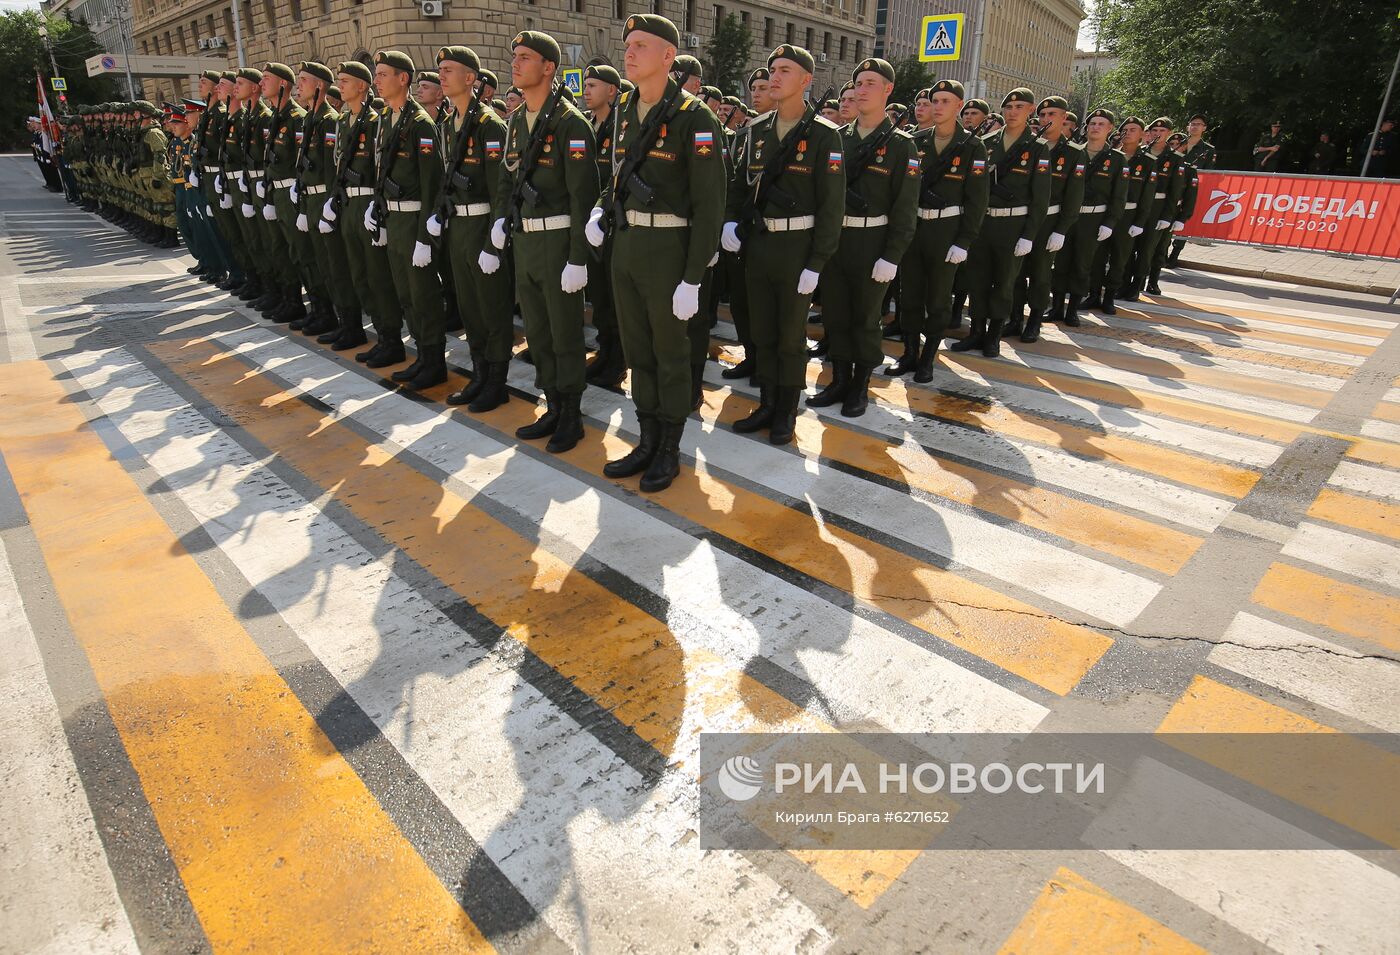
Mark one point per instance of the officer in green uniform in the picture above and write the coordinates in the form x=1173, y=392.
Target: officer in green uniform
x=474, y=140
x=1186, y=205
x=1066, y=164
x=279, y=210
x=243, y=160
x=882, y=202
x=1113, y=264
x=219, y=263
x=1200, y=155
x=557, y=193
x=952, y=204
x=221, y=187
x=1169, y=182
x=608, y=366
x=1105, y=192
x=790, y=199
x=1020, y=194
x=1267, y=149
x=974, y=114
x=664, y=201
x=410, y=177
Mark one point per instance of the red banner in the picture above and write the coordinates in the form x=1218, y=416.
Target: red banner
x=1327, y=213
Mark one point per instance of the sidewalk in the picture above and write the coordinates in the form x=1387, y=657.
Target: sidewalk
x=1317, y=269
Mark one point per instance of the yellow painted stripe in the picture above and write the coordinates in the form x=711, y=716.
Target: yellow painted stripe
x=1246, y=333
x=279, y=844
x=1343, y=607
x=1362, y=513
x=630, y=664
x=1386, y=411
x=1212, y=349
x=1299, y=321
x=1356, y=786
x=1111, y=532
x=1073, y=915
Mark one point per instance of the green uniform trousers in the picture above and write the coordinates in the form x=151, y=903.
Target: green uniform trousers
x=1076, y=260
x=600, y=293
x=483, y=301
x=926, y=279
x=553, y=317
x=733, y=264
x=303, y=253
x=647, y=265
x=1039, y=267
x=992, y=268
x=777, y=314
x=418, y=288
x=851, y=299
x=369, y=269
x=698, y=326
x=1114, y=258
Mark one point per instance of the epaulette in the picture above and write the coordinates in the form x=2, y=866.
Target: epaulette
x=825, y=122
x=624, y=98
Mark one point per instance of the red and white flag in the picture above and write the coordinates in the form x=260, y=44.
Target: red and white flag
x=46, y=120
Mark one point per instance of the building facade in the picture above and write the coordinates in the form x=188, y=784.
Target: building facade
x=839, y=32
x=109, y=21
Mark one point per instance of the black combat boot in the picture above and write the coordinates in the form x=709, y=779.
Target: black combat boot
x=569, y=431
x=697, y=385
x=351, y=333
x=322, y=318
x=465, y=396
x=762, y=416
x=293, y=309
x=858, y=394
x=391, y=353
x=991, y=342
x=371, y=353
x=1031, y=333
x=1057, y=309
x=908, y=361
x=1072, y=312
x=784, y=415
x=1107, y=307
x=836, y=390
x=546, y=423
x=1152, y=287
x=744, y=369
x=923, y=374
x=639, y=458
x=973, y=339
x=411, y=371
x=431, y=373
x=666, y=462
x=1094, y=298
x=494, y=391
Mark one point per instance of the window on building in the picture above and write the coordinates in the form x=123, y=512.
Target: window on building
x=620, y=9
x=808, y=44
x=744, y=18
x=843, y=48
x=690, y=16
x=228, y=26
x=578, y=6
x=788, y=34
x=296, y=8
x=860, y=50
x=325, y=7
x=860, y=11
x=270, y=12
x=768, y=31
x=826, y=42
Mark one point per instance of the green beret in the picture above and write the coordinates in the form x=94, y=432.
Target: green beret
x=542, y=43
x=397, y=60
x=896, y=108
x=464, y=55
x=1053, y=102
x=733, y=101
x=333, y=92
x=1019, y=95
x=1103, y=114
x=1161, y=122
x=1132, y=119
x=759, y=74
x=230, y=75
x=430, y=76
x=874, y=65
x=793, y=54
x=356, y=69
x=321, y=71
x=829, y=104
x=657, y=26
x=711, y=92
x=603, y=73
x=1200, y=116
x=846, y=87
x=280, y=70
x=211, y=75
x=946, y=86
x=998, y=117
x=377, y=102
x=978, y=104
x=251, y=75
x=688, y=66
x=489, y=79
x=627, y=86
x=1072, y=116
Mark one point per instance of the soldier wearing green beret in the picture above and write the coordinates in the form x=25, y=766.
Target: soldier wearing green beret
x=1105, y=192
x=1168, y=182
x=790, y=198
x=220, y=187
x=600, y=92
x=692, y=73
x=278, y=212
x=1200, y=155
x=882, y=201
x=474, y=145
x=269, y=258
x=1113, y=263
x=1185, y=206
x=975, y=113
x=556, y=193
x=1019, y=174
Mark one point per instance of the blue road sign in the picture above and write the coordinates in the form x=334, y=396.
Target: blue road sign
x=941, y=37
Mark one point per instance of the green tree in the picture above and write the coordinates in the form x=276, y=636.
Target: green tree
x=22, y=52
x=910, y=75
x=727, y=55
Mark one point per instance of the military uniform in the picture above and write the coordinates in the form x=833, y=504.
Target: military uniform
x=609, y=364
x=1198, y=157
x=1114, y=265
x=285, y=136
x=1066, y=165
x=1105, y=193
x=1267, y=161
x=1168, y=185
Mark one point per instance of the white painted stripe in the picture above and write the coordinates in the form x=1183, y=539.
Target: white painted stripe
x=1246, y=326
x=1381, y=431
x=1226, y=339
x=1332, y=549
x=56, y=891
x=520, y=774
x=19, y=341
x=1340, y=312
x=132, y=308
x=1313, y=669
x=1367, y=479
x=93, y=276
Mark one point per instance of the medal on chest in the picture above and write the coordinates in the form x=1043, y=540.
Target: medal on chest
x=880, y=155
x=661, y=138
x=801, y=149
x=549, y=142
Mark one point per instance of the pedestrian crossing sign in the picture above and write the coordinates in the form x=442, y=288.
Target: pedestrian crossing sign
x=573, y=80
x=941, y=37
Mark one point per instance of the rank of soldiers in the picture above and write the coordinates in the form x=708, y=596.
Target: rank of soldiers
x=331, y=199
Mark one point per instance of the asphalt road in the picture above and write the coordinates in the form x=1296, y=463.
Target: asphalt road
x=298, y=662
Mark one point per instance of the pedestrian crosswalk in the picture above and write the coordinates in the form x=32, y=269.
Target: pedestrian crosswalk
x=367, y=653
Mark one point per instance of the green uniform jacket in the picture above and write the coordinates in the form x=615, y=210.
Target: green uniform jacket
x=1027, y=179
x=1140, y=169
x=1201, y=155
x=565, y=175
x=285, y=128
x=815, y=181
x=351, y=135
x=602, y=144
x=889, y=185
x=151, y=161
x=177, y=155
x=481, y=160
x=1171, y=179
x=1186, y=208
x=414, y=164
x=684, y=167
x=320, y=132
x=1267, y=162
x=1066, y=182
x=961, y=181
x=1105, y=183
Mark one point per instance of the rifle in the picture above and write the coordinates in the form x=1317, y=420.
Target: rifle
x=626, y=180
x=869, y=149
x=343, y=173
x=750, y=218
x=269, y=154
x=304, y=163
x=443, y=209
x=1000, y=169
x=524, y=191
x=382, y=189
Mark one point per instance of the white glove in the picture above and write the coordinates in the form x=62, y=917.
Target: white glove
x=258, y=187
x=1055, y=242
x=685, y=300
x=957, y=255
x=807, y=282
x=381, y=239
x=1134, y=231
x=247, y=210
x=487, y=262
x=714, y=260
x=292, y=193
x=422, y=255
x=219, y=184
x=729, y=239
x=1178, y=225
x=593, y=230
x=1105, y=232
x=1023, y=248
x=324, y=227
x=193, y=179
x=434, y=225
x=370, y=225
x=226, y=201
x=498, y=233
x=302, y=224
x=884, y=271
x=1163, y=224
x=328, y=211
x=573, y=278
x=270, y=212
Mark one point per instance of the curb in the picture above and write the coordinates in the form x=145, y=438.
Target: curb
x=1365, y=288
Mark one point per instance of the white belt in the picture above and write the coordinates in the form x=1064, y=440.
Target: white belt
x=475, y=209
x=237, y=174
x=353, y=191
x=283, y=183
x=945, y=213
x=795, y=224
x=314, y=190
x=407, y=205
x=656, y=220
x=869, y=222
x=1011, y=211
x=211, y=168
x=1159, y=195
x=547, y=224
x=1052, y=210
x=256, y=173
x=1129, y=205
x=1086, y=210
